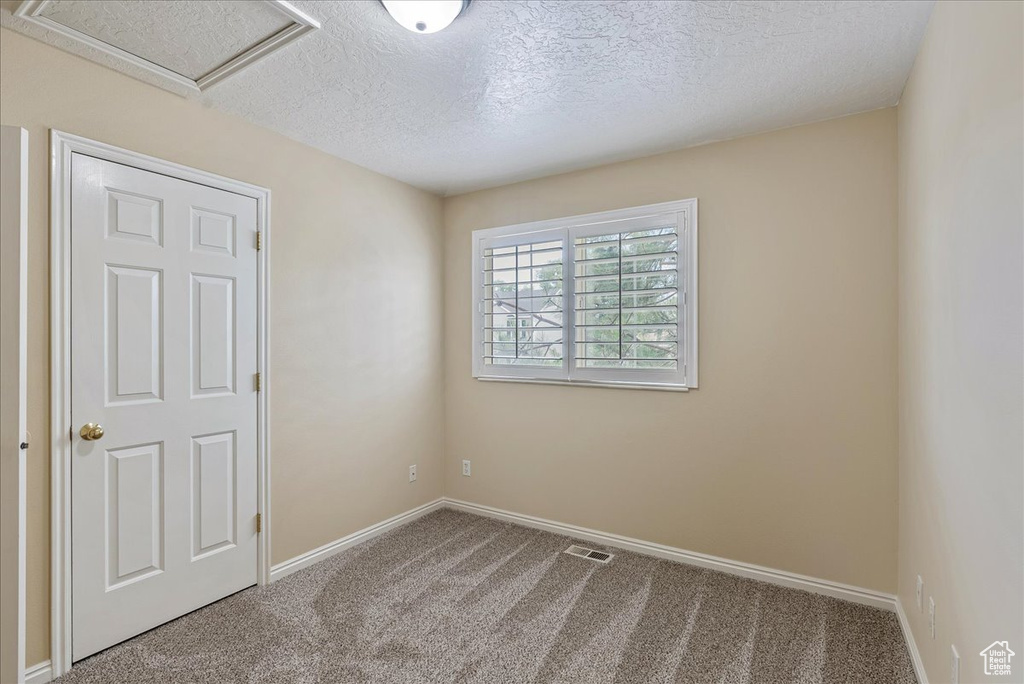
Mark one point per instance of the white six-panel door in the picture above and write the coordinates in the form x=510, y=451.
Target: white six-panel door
x=163, y=358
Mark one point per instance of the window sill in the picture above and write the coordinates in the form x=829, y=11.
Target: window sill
x=660, y=387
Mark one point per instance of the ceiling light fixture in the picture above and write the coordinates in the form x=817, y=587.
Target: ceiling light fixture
x=425, y=16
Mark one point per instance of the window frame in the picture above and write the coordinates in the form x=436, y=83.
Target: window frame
x=568, y=229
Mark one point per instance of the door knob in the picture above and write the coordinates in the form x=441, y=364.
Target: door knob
x=91, y=432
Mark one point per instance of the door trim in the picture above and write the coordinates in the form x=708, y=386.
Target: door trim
x=62, y=146
x=14, y=259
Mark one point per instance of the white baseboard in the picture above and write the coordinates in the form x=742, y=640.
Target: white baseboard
x=327, y=550
x=40, y=673
x=867, y=597
x=908, y=636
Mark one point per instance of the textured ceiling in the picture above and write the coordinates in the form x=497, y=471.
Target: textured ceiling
x=190, y=37
x=520, y=89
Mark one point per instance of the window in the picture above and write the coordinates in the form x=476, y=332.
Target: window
x=607, y=299
x=523, y=303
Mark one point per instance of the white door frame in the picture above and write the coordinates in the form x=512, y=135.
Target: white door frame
x=62, y=145
x=14, y=305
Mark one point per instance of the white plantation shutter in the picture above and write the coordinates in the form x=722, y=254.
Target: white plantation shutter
x=627, y=309
x=605, y=298
x=522, y=305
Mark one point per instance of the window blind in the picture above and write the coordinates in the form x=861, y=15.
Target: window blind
x=522, y=304
x=627, y=299
x=607, y=298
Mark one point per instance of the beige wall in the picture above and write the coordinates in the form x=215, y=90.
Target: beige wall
x=786, y=455
x=356, y=288
x=961, y=340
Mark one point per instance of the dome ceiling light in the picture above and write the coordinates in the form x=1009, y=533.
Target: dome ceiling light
x=425, y=16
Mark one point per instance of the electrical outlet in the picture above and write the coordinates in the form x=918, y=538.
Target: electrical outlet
x=954, y=665
x=931, y=615
x=920, y=594
x=412, y=473
x=466, y=468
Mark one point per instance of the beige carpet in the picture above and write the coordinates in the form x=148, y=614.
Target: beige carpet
x=455, y=597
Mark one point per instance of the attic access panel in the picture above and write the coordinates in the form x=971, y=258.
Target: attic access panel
x=185, y=45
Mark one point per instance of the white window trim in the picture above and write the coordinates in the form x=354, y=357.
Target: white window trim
x=570, y=228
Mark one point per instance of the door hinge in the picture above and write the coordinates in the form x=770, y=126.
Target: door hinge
x=258, y=382
x=259, y=240
x=259, y=523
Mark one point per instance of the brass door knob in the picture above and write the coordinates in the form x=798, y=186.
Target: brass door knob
x=91, y=432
